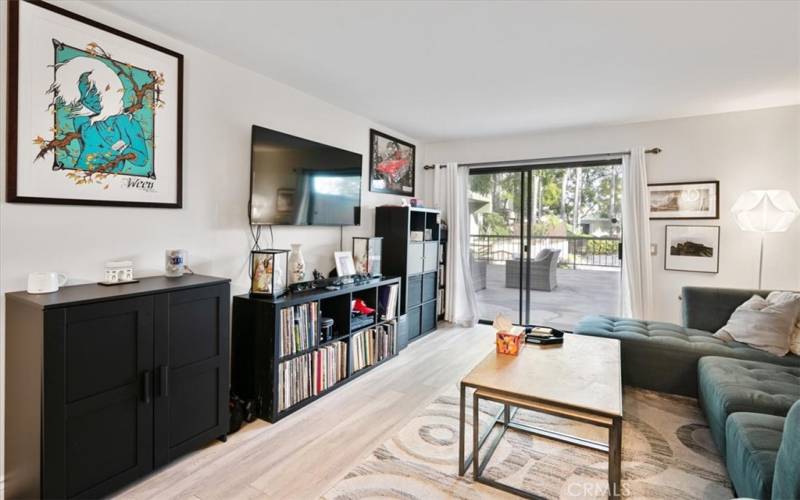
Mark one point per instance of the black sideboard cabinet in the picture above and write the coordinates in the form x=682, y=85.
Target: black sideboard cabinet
x=106, y=384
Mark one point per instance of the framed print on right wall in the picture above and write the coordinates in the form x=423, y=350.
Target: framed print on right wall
x=692, y=248
x=684, y=200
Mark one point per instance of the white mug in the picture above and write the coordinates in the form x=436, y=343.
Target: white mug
x=45, y=282
x=175, y=262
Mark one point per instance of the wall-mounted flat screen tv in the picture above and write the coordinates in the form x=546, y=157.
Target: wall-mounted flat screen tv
x=295, y=181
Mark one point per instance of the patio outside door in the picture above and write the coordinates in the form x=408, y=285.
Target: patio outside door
x=497, y=241
x=545, y=241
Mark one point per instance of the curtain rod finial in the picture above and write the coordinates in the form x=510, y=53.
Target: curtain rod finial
x=654, y=151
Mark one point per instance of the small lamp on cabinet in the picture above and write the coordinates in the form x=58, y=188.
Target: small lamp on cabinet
x=268, y=272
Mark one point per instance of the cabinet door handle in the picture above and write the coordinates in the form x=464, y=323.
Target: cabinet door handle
x=147, y=381
x=163, y=380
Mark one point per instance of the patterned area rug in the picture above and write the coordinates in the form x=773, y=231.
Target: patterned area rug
x=667, y=453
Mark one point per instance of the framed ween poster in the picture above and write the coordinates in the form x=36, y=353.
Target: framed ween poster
x=94, y=115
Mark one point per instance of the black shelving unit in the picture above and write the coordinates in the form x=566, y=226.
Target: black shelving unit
x=256, y=341
x=416, y=262
x=441, y=297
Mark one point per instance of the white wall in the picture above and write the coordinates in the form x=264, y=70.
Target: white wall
x=743, y=150
x=221, y=102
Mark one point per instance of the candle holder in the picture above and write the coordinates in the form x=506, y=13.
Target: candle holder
x=268, y=272
x=367, y=254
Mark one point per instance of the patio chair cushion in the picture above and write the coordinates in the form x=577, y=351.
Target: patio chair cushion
x=750, y=459
x=543, y=271
x=543, y=254
x=729, y=385
x=663, y=356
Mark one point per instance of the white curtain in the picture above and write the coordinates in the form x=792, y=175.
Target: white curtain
x=637, y=272
x=448, y=190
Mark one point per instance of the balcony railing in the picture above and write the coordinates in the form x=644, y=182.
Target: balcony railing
x=575, y=250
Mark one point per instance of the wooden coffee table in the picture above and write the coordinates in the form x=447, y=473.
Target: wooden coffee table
x=579, y=380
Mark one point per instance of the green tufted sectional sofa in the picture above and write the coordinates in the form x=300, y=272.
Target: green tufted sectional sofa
x=745, y=393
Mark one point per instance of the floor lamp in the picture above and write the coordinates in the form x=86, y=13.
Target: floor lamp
x=770, y=211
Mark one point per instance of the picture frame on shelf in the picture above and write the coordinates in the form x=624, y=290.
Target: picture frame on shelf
x=692, y=248
x=344, y=263
x=684, y=200
x=95, y=114
x=391, y=164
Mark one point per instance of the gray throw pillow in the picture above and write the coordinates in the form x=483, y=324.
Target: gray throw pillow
x=764, y=324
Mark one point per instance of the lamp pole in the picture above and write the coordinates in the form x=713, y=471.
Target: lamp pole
x=761, y=260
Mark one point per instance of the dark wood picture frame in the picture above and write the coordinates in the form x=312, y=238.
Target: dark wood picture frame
x=667, y=248
x=677, y=184
x=376, y=133
x=13, y=110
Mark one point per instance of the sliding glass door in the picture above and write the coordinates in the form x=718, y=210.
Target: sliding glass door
x=497, y=241
x=545, y=241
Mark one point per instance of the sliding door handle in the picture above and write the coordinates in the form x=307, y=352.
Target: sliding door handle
x=163, y=380
x=147, y=382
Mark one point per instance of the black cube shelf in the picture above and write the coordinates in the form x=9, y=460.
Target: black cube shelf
x=411, y=239
x=257, y=355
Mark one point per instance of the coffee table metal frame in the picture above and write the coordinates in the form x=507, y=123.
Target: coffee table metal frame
x=505, y=417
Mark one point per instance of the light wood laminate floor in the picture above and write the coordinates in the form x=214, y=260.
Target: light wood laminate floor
x=303, y=455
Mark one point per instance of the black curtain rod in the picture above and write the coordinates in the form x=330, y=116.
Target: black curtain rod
x=651, y=151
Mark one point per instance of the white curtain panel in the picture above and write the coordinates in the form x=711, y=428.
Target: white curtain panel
x=637, y=271
x=448, y=190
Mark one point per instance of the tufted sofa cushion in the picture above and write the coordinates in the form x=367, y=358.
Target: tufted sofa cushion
x=663, y=356
x=728, y=386
x=786, y=482
x=753, y=440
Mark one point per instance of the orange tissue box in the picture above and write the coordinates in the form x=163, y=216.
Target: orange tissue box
x=510, y=342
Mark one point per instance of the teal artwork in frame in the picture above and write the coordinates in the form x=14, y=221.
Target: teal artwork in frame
x=109, y=107
x=96, y=114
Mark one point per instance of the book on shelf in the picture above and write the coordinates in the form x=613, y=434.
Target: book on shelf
x=299, y=326
x=373, y=345
x=310, y=374
x=387, y=301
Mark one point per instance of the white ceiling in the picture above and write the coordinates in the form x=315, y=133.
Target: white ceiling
x=444, y=70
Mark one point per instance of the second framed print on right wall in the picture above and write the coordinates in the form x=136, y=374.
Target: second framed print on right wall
x=684, y=200
x=692, y=248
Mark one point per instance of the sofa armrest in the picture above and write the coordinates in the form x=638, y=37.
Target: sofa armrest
x=709, y=308
x=786, y=480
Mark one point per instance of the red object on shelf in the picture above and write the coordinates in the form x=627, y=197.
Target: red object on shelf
x=361, y=307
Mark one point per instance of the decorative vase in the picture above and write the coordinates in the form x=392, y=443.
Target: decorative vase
x=297, y=265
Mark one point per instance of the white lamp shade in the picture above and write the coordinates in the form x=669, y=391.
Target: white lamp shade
x=769, y=211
